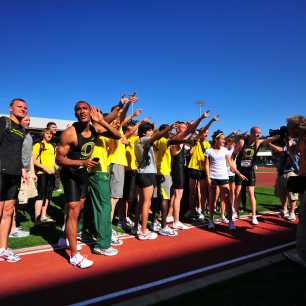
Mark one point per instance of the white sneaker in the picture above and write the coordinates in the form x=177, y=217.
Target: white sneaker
x=129, y=222
x=231, y=225
x=169, y=219
x=291, y=217
x=80, y=261
x=156, y=226
x=201, y=217
x=235, y=216
x=116, y=241
x=64, y=243
x=211, y=225
x=285, y=214
x=9, y=255
x=167, y=231
x=224, y=220
x=19, y=233
x=254, y=220
x=147, y=236
x=107, y=252
x=180, y=226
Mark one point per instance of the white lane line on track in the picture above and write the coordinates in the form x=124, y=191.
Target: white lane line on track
x=126, y=236
x=167, y=280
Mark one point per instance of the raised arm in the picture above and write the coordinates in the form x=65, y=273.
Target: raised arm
x=207, y=126
x=136, y=113
x=192, y=127
x=102, y=126
x=275, y=148
x=122, y=115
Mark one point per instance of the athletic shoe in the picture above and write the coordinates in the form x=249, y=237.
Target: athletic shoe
x=147, y=236
x=211, y=225
x=201, y=217
x=169, y=219
x=64, y=243
x=134, y=231
x=235, y=216
x=285, y=214
x=295, y=257
x=9, y=255
x=167, y=231
x=115, y=240
x=47, y=219
x=107, y=252
x=129, y=222
x=254, y=220
x=19, y=233
x=85, y=237
x=155, y=227
x=231, y=225
x=291, y=217
x=124, y=226
x=180, y=226
x=80, y=261
x=224, y=220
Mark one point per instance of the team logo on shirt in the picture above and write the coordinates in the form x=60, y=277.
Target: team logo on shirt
x=87, y=150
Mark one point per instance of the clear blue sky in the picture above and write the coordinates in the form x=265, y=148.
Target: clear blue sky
x=246, y=58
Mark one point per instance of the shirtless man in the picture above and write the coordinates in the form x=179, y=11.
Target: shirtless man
x=74, y=155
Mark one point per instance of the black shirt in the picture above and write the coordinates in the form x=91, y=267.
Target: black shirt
x=11, y=140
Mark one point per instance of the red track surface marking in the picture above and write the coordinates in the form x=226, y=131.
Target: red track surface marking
x=265, y=179
x=48, y=279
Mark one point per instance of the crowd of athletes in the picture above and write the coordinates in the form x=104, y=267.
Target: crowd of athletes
x=114, y=169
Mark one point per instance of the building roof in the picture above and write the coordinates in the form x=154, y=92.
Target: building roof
x=41, y=123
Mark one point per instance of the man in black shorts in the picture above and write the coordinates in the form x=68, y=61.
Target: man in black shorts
x=12, y=135
x=245, y=151
x=73, y=154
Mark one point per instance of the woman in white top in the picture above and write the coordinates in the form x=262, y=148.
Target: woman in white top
x=216, y=164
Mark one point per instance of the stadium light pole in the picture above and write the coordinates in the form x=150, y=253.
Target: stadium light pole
x=200, y=103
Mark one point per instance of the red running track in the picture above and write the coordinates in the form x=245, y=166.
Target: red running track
x=265, y=179
x=47, y=278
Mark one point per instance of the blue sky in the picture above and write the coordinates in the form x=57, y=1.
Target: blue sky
x=245, y=58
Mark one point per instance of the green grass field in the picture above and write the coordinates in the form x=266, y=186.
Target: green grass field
x=49, y=234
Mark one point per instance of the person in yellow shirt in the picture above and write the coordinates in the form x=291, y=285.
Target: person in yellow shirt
x=44, y=161
x=118, y=161
x=197, y=175
x=99, y=192
x=130, y=188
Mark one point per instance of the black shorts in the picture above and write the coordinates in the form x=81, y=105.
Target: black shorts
x=130, y=187
x=9, y=186
x=249, y=174
x=75, y=183
x=217, y=182
x=146, y=179
x=178, y=178
x=45, y=186
x=197, y=174
x=231, y=179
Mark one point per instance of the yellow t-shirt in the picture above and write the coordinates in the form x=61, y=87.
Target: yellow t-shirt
x=117, y=151
x=197, y=156
x=162, y=156
x=130, y=153
x=45, y=155
x=101, y=151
